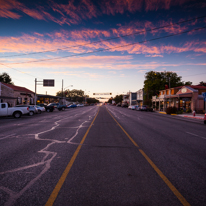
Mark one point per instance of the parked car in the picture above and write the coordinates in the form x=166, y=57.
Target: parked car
x=118, y=105
x=40, y=109
x=61, y=107
x=133, y=107
x=32, y=109
x=54, y=104
x=16, y=112
x=80, y=105
x=48, y=108
x=138, y=108
x=146, y=108
x=72, y=106
x=125, y=105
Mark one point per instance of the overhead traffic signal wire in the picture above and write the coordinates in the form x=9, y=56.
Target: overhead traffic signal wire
x=109, y=39
x=80, y=54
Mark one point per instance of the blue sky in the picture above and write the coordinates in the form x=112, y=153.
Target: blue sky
x=46, y=31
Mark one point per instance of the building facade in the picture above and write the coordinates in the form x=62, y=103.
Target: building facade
x=183, y=97
x=15, y=95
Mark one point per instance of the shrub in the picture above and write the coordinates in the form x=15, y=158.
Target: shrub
x=188, y=110
x=180, y=112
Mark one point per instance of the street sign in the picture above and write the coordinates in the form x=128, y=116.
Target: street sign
x=204, y=94
x=48, y=82
x=102, y=93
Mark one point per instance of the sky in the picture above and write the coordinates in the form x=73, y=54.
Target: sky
x=103, y=46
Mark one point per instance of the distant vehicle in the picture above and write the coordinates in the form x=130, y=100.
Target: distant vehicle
x=32, y=109
x=138, y=108
x=40, y=109
x=118, y=105
x=125, y=105
x=54, y=104
x=146, y=108
x=48, y=108
x=16, y=112
x=72, y=106
x=61, y=107
x=80, y=105
x=41, y=105
x=132, y=107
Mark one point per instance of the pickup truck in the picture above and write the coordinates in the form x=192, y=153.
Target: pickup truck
x=16, y=112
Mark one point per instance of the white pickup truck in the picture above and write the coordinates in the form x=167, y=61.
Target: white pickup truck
x=16, y=112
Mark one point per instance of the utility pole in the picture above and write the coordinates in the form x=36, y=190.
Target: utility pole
x=35, y=92
x=169, y=92
x=62, y=89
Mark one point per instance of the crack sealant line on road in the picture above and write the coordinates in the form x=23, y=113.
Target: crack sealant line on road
x=163, y=177
x=60, y=183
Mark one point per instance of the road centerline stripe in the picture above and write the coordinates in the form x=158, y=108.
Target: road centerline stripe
x=163, y=177
x=62, y=179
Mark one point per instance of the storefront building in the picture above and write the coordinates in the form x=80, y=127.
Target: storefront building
x=15, y=95
x=187, y=98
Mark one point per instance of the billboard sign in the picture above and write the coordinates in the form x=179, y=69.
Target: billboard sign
x=48, y=82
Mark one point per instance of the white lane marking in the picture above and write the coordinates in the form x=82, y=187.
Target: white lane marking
x=13, y=196
x=195, y=135
x=8, y=136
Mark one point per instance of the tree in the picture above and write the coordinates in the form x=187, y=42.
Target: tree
x=4, y=77
x=202, y=83
x=156, y=81
x=118, y=99
x=74, y=95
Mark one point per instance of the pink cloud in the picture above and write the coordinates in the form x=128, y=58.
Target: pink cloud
x=72, y=13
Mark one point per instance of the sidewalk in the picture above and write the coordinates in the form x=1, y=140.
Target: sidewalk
x=187, y=115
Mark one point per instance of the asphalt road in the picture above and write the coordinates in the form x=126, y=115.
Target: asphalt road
x=102, y=155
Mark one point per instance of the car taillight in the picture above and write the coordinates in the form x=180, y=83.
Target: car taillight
x=53, y=107
x=28, y=108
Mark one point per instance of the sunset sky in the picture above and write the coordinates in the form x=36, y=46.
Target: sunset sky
x=101, y=46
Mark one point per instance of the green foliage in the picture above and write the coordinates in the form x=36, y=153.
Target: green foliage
x=188, y=110
x=180, y=112
x=171, y=110
x=92, y=100
x=156, y=81
x=110, y=100
x=4, y=77
x=118, y=98
x=73, y=95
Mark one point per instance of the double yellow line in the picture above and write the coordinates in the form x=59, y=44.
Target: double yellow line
x=57, y=188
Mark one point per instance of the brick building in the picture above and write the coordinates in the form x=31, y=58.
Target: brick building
x=15, y=95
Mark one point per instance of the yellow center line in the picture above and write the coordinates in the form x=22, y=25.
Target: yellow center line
x=163, y=177
x=58, y=186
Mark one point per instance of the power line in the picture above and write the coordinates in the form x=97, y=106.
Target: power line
x=80, y=54
x=194, y=74
x=19, y=70
x=109, y=39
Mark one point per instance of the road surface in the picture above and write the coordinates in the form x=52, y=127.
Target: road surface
x=102, y=155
